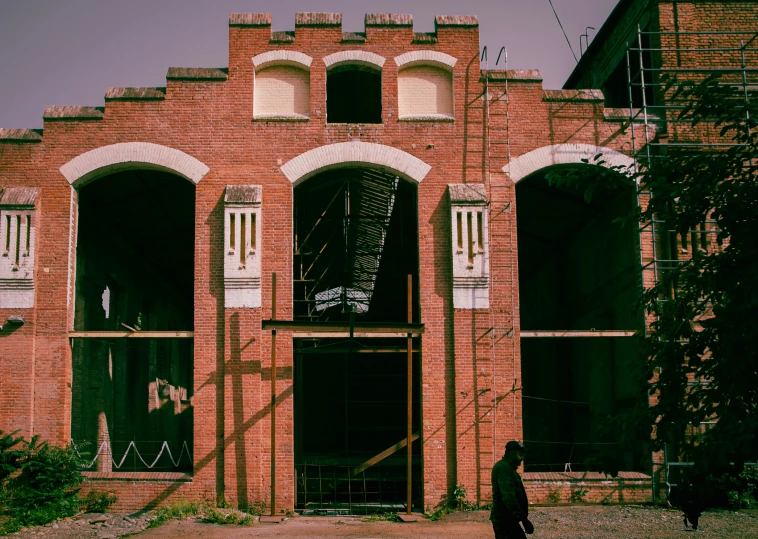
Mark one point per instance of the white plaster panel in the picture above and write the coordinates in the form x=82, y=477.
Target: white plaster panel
x=281, y=91
x=562, y=154
x=424, y=90
x=242, y=255
x=470, y=248
x=18, y=235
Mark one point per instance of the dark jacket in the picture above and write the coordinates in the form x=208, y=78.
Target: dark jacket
x=508, y=495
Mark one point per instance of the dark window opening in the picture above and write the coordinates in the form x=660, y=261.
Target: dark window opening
x=579, y=269
x=354, y=95
x=356, y=242
x=617, y=86
x=135, y=273
x=351, y=406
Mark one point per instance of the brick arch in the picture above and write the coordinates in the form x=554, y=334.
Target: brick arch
x=562, y=154
x=291, y=58
x=132, y=155
x=426, y=57
x=346, y=154
x=362, y=58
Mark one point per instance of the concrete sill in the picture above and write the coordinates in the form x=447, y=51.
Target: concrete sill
x=281, y=118
x=427, y=118
x=138, y=476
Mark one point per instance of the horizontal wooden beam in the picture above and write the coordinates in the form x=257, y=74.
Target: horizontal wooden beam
x=346, y=334
x=572, y=333
x=367, y=328
x=343, y=350
x=131, y=334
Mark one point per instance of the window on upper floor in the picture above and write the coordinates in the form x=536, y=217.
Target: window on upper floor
x=425, y=92
x=354, y=95
x=282, y=91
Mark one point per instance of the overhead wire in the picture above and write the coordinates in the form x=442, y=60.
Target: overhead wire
x=564, y=31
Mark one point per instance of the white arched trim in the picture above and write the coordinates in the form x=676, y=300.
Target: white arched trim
x=292, y=58
x=132, y=155
x=346, y=154
x=562, y=154
x=438, y=59
x=362, y=58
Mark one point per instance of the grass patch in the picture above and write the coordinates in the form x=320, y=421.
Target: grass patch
x=204, y=511
x=216, y=516
x=175, y=511
x=383, y=517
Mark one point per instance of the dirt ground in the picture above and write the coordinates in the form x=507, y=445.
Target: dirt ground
x=564, y=522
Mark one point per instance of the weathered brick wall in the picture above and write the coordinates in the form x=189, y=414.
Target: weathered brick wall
x=470, y=373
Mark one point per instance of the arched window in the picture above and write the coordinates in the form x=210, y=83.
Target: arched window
x=282, y=86
x=425, y=91
x=354, y=87
x=425, y=85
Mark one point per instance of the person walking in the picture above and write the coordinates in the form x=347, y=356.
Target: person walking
x=510, y=507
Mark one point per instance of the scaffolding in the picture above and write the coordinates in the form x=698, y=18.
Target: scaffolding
x=337, y=257
x=658, y=64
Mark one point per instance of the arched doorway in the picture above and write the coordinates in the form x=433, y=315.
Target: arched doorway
x=579, y=283
x=355, y=245
x=132, y=349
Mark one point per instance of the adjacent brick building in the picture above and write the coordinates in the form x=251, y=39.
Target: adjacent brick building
x=141, y=239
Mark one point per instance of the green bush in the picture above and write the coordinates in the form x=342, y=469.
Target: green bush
x=215, y=516
x=98, y=502
x=40, y=483
x=176, y=511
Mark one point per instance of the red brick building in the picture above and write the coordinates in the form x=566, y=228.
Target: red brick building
x=141, y=239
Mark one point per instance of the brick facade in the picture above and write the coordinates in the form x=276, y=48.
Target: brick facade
x=201, y=126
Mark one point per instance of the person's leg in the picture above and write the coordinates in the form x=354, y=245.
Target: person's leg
x=508, y=530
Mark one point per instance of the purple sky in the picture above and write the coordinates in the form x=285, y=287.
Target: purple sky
x=68, y=52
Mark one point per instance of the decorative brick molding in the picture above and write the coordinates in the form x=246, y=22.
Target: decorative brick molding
x=242, y=246
x=135, y=94
x=131, y=155
x=67, y=112
x=470, y=246
x=318, y=19
x=345, y=154
x=428, y=38
x=469, y=21
x=387, y=19
x=250, y=19
x=291, y=58
x=18, y=233
x=562, y=154
x=282, y=36
x=515, y=75
x=363, y=58
x=438, y=59
x=196, y=73
x=570, y=96
x=353, y=37
x=20, y=135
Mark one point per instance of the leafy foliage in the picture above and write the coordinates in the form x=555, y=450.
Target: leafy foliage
x=98, y=502
x=40, y=483
x=449, y=504
x=701, y=353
